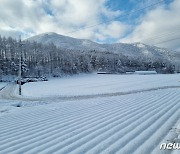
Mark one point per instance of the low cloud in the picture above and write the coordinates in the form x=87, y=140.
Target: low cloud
x=158, y=27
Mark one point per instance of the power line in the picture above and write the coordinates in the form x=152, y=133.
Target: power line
x=168, y=40
x=127, y=14
x=163, y=35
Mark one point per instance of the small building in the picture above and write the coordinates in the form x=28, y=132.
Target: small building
x=145, y=72
x=130, y=72
x=104, y=73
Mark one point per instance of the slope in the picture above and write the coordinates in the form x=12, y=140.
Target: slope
x=134, y=50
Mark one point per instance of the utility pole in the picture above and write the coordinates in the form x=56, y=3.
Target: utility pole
x=20, y=65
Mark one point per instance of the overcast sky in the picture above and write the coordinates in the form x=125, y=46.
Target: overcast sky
x=115, y=20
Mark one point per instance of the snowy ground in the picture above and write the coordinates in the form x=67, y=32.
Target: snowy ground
x=2, y=85
x=136, y=122
x=98, y=84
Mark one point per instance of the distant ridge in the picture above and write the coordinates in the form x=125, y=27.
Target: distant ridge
x=133, y=50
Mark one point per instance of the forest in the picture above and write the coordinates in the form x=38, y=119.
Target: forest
x=50, y=61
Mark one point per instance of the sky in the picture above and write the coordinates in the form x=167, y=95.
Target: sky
x=153, y=22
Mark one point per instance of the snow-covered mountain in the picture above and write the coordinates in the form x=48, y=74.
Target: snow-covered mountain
x=133, y=50
x=66, y=42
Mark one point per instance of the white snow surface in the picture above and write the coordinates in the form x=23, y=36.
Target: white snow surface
x=134, y=123
x=94, y=84
x=2, y=84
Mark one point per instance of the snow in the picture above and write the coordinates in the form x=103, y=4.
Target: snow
x=2, y=84
x=134, y=50
x=140, y=45
x=65, y=42
x=145, y=72
x=124, y=124
x=98, y=84
x=134, y=123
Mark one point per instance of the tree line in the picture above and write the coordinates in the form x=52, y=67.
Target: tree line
x=48, y=60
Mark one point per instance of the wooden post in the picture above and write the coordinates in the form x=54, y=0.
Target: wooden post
x=20, y=65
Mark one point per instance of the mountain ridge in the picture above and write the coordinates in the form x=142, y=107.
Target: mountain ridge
x=132, y=50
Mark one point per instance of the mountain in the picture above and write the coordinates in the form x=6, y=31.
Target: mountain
x=133, y=50
x=65, y=41
x=84, y=57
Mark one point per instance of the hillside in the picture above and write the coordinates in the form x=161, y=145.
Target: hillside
x=134, y=50
x=51, y=54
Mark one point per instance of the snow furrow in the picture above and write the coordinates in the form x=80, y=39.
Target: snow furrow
x=116, y=136
x=50, y=115
x=141, y=128
x=127, y=124
x=102, y=127
x=51, y=128
x=69, y=109
x=161, y=132
x=118, y=129
x=60, y=139
x=149, y=132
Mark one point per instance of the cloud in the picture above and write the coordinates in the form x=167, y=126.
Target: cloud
x=113, y=30
x=158, y=26
x=30, y=17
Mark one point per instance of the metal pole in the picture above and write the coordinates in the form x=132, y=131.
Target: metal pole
x=20, y=63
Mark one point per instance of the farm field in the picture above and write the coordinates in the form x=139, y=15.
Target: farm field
x=129, y=114
x=93, y=84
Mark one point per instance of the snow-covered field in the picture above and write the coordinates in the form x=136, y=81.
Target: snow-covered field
x=2, y=84
x=98, y=84
x=136, y=122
